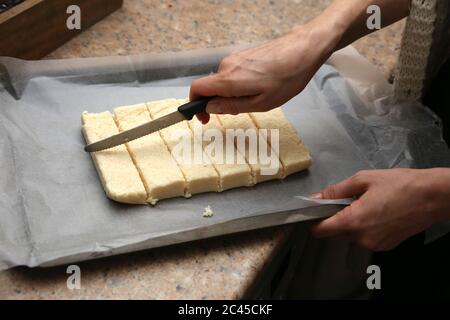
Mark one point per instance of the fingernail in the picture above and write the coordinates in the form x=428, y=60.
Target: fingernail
x=213, y=108
x=317, y=195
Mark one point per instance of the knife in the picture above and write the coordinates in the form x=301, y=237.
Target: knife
x=184, y=112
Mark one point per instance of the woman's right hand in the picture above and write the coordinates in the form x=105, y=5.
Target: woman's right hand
x=267, y=76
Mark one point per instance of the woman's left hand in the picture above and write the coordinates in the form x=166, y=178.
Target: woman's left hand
x=392, y=206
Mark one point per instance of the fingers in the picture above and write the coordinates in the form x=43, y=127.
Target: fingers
x=203, y=117
x=224, y=85
x=231, y=97
x=346, y=221
x=234, y=105
x=207, y=87
x=342, y=223
x=353, y=186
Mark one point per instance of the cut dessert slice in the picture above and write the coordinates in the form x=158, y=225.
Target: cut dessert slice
x=200, y=175
x=250, y=143
x=117, y=172
x=232, y=173
x=160, y=173
x=293, y=154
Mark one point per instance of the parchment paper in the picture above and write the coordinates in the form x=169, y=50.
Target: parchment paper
x=53, y=209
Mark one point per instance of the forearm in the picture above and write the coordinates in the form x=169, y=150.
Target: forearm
x=267, y=76
x=346, y=20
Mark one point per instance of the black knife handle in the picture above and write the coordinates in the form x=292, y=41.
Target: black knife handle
x=190, y=109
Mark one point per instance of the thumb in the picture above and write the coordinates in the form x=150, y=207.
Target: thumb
x=353, y=186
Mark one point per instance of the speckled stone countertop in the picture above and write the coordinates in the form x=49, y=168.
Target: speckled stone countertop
x=221, y=268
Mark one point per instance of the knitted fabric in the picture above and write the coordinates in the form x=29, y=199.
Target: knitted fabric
x=415, y=50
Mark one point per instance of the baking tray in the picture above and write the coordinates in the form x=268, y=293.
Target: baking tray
x=53, y=209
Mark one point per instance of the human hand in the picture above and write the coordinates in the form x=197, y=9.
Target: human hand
x=267, y=76
x=392, y=206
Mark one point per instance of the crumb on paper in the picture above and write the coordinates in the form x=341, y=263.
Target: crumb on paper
x=208, y=212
